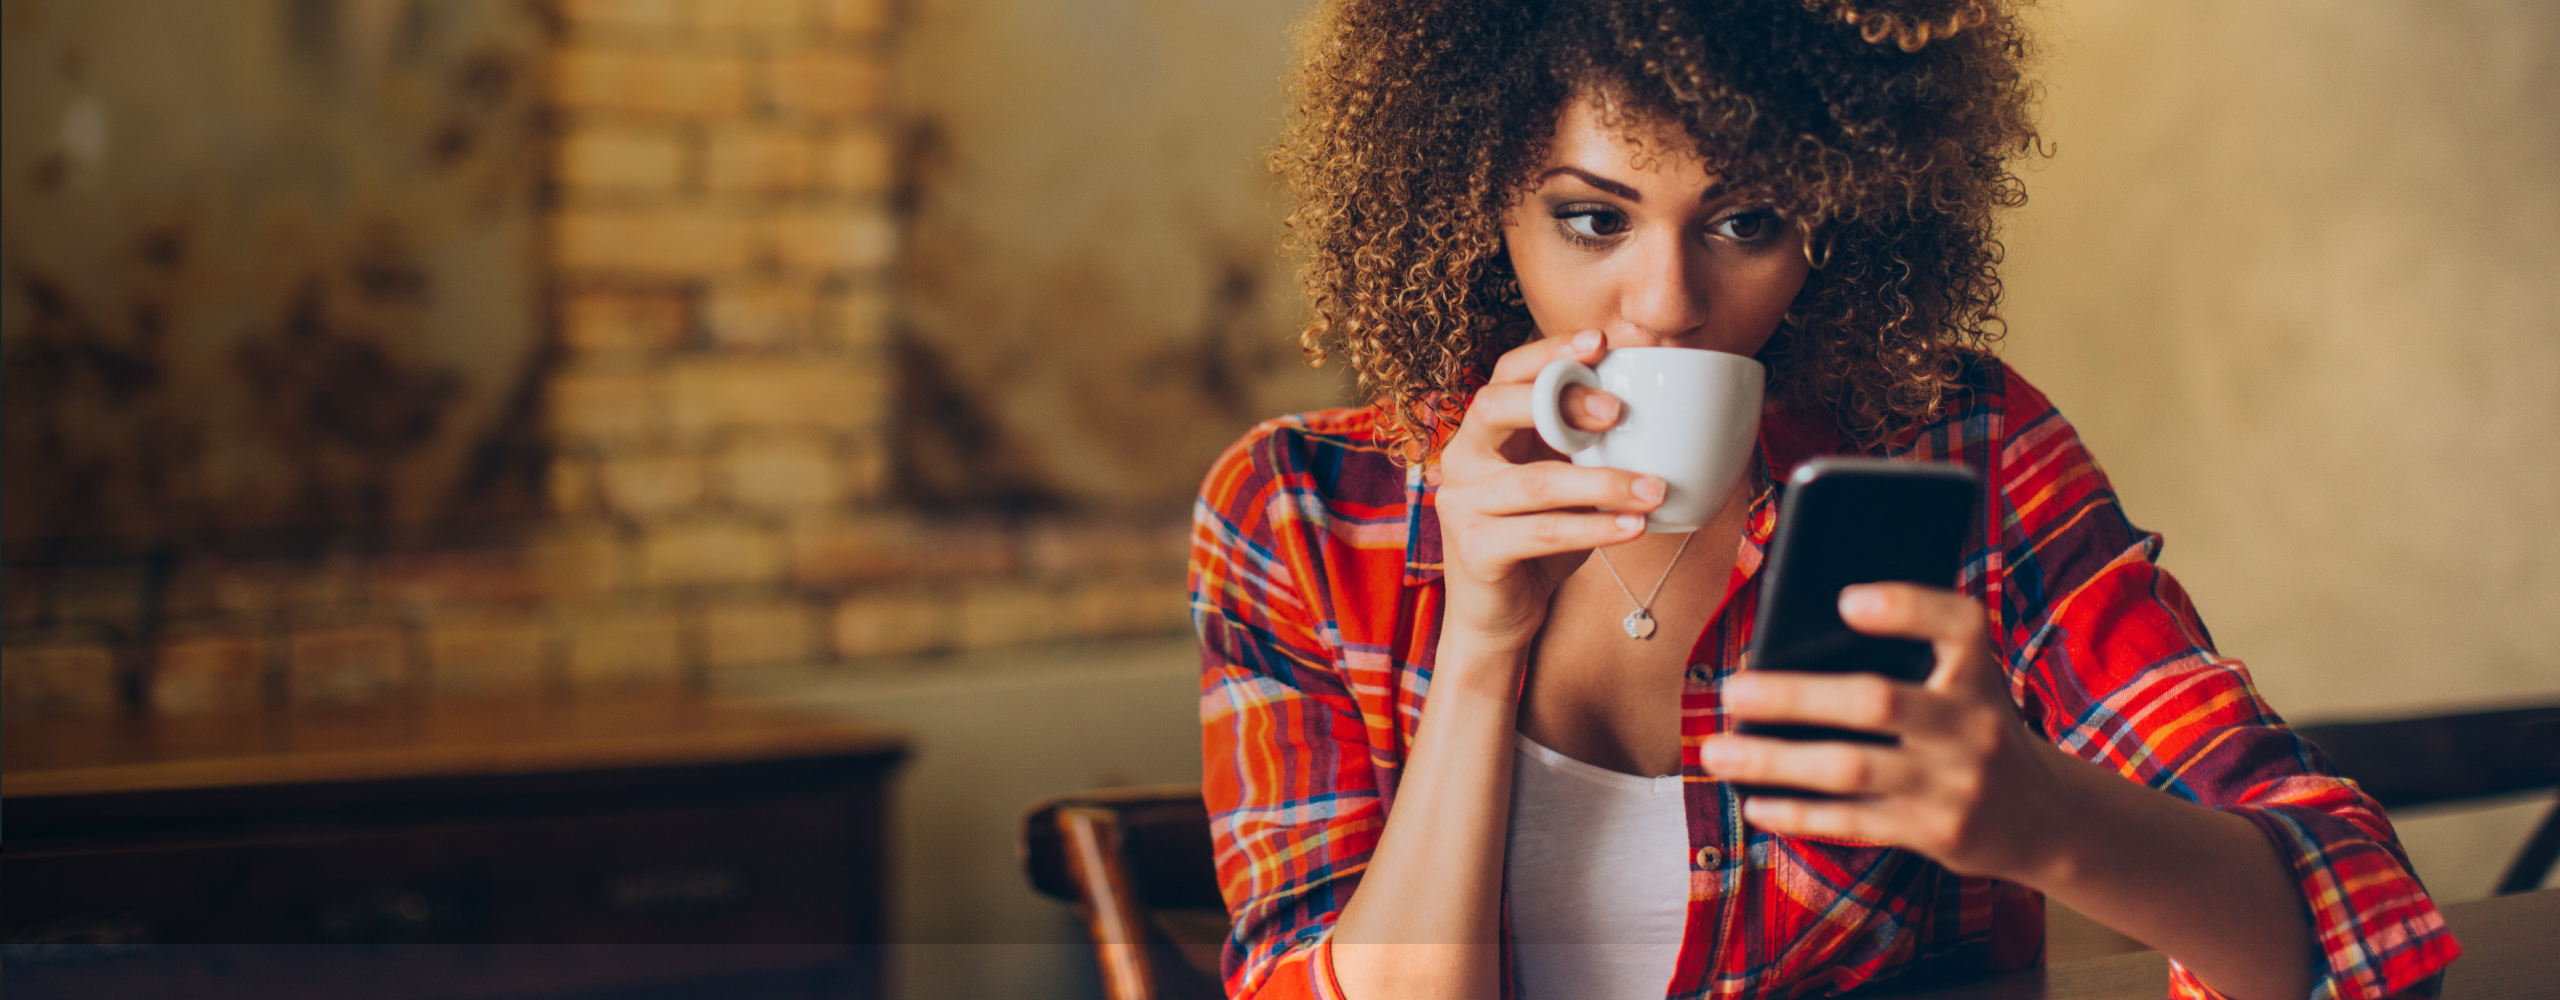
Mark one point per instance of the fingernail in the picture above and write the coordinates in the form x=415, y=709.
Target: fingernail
x=1586, y=342
x=1600, y=405
x=1647, y=489
x=1630, y=522
x=1860, y=601
x=1716, y=754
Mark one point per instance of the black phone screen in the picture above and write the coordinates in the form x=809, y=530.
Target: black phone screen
x=1848, y=521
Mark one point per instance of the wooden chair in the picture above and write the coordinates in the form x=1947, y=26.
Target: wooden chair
x=1138, y=866
x=2407, y=763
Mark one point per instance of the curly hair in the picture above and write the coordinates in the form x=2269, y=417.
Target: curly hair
x=1883, y=129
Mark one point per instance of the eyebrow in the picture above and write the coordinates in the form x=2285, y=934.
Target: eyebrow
x=1595, y=180
x=1712, y=192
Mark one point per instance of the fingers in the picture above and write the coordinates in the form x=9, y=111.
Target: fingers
x=1849, y=769
x=1869, y=702
x=1589, y=409
x=1503, y=410
x=1912, y=611
x=1954, y=625
x=1505, y=541
x=1522, y=363
x=1539, y=486
x=1859, y=822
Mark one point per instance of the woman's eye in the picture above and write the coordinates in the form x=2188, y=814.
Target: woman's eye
x=1748, y=227
x=1592, y=223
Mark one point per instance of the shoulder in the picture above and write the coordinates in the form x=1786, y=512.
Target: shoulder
x=1994, y=420
x=1329, y=457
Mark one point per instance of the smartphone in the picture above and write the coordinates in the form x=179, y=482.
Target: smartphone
x=1847, y=521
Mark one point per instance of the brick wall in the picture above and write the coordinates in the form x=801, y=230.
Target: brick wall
x=721, y=484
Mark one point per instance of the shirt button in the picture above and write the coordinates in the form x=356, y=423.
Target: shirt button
x=1710, y=859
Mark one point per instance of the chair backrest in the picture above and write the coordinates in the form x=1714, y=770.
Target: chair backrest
x=1140, y=869
x=2436, y=759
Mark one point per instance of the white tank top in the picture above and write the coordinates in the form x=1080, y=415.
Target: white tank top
x=1597, y=864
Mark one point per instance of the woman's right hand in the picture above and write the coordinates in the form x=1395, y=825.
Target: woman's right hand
x=1516, y=519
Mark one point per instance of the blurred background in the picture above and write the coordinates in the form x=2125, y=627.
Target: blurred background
x=863, y=356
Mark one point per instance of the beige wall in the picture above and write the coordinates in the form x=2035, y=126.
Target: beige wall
x=1092, y=271
x=266, y=266
x=2291, y=273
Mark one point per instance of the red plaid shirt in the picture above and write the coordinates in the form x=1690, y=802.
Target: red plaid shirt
x=1316, y=588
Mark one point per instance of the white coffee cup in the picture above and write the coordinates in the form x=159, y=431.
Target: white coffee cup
x=1691, y=417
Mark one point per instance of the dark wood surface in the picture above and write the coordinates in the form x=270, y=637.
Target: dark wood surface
x=1139, y=868
x=2510, y=951
x=2445, y=758
x=1168, y=825
x=501, y=849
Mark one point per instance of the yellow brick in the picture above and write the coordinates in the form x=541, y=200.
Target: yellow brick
x=855, y=17
x=571, y=486
x=490, y=659
x=857, y=162
x=1003, y=614
x=209, y=674
x=758, y=315
x=351, y=665
x=818, y=83
x=625, y=321
x=755, y=17
x=889, y=625
x=865, y=466
x=785, y=473
x=1131, y=606
x=597, y=160
x=577, y=558
x=774, y=393
x=74, y=680
x=428, y=581
x=698, y=553
x=756, y=634
x=216, y=585
x=840, y=550
x=663, y=242
x=857, y=320
x=755, y=159
x=607, y=406
x=649, y=81
x=624, y=15
x=625, y=648
x=1107, y=548
x=651, y=485
x=835, y=240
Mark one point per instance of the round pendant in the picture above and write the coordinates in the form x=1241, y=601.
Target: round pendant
x=1639, y=623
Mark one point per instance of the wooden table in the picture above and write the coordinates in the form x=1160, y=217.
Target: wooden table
x=2510, y=951
x=534, y=850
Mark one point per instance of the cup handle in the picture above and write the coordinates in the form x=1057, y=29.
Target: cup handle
x=1547, y=397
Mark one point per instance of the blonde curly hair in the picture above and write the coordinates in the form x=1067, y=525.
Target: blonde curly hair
x=1885, y=129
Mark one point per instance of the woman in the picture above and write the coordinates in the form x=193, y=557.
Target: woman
x=1437, y=767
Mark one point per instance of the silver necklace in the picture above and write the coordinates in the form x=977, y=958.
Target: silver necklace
x=1639, y=622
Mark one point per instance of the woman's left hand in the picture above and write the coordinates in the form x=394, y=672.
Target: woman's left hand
x=1968, y=786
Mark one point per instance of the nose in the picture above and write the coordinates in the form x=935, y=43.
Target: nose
x=1662, y=298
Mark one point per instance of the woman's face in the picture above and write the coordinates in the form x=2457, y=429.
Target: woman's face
x=1637, y=240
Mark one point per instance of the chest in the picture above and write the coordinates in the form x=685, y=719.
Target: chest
x=1607, y=694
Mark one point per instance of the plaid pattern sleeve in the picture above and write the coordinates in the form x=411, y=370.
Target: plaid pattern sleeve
x=1289, y=777
x=2117, y=668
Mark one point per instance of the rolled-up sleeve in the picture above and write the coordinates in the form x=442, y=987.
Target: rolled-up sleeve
x=2109, y=658
x=1292, y=797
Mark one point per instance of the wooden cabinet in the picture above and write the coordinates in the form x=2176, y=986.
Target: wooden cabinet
x=637, y=845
